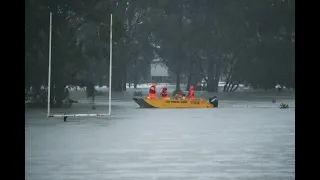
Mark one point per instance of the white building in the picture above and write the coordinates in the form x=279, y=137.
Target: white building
x=159, y=71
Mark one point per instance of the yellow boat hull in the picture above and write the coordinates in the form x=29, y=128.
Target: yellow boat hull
x=172, y=103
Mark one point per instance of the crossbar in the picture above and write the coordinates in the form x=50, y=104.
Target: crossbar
x=76, y=115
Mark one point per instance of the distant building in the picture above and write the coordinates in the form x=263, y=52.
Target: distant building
x=159, y=71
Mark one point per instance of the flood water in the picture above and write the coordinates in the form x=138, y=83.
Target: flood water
x=240, y=140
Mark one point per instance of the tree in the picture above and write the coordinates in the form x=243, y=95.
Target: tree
x=70, y=48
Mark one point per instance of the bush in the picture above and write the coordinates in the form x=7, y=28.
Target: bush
x=284, y=106
x=39, y=99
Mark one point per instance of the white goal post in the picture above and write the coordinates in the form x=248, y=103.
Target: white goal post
x=49, y=78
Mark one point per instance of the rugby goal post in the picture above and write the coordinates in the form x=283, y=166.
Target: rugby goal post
x=49, y=78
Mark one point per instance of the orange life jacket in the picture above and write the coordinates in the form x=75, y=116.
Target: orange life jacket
x=152, y=91
x=191, y=92
x=164, y=93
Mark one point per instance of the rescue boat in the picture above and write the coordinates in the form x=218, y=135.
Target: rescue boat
x=147, y=102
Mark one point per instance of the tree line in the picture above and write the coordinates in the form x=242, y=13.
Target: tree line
x=241, y=42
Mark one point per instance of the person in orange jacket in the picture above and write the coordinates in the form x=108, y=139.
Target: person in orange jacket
x=179, y=95
x=164, y=92
x=191, y=92
x=152, y=91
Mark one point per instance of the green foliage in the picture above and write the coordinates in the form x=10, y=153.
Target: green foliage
x=38, y=98
x=248, y=42
x=78, y=51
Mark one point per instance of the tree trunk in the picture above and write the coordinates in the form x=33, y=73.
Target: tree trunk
x=117, y=69
x=232, y=86
x=135, y=74
x=100, y=82
x=59, y=95
x=116, y=85
x=90, y=91
x=210, y=86
x=119, y=85
x=225, y=87
x=203, y=75
x=124, y=79
x=190, y=72
x=189, y=77
x=229, y=85
x=135, y=81
x=233, y=90
x=35, y=93
x=213, y=77
x=116, y=79
x=178, y=81
x=217, y=77
x=189, y=81
x=227, y=81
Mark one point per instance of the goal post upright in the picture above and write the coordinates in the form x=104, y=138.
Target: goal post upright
x=49, y=79
x=49, y=68
x=110, y=68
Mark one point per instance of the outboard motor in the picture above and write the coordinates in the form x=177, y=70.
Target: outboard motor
x=214, y=101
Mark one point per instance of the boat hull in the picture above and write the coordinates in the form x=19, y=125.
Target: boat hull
x=172, y=103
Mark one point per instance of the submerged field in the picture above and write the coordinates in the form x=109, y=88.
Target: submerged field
x=247, y=137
